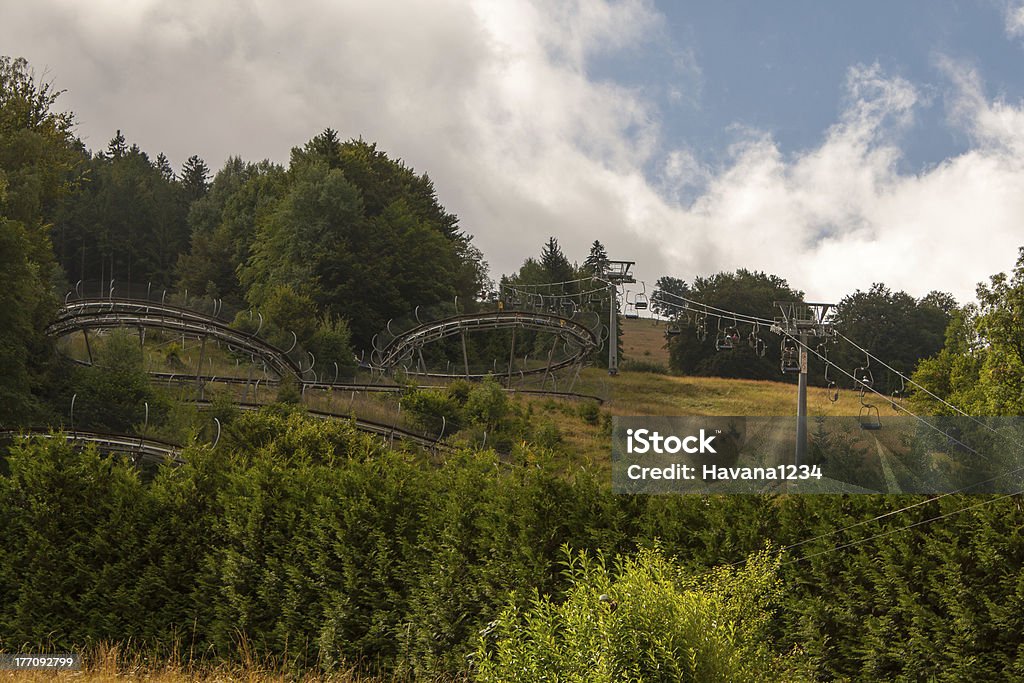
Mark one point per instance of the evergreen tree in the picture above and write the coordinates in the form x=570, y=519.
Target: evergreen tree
x=195, y=178
x=40, y=162
x=164, y=166
x=117, y=147
x=128, y=222
x=597, y=260
x=556, y=265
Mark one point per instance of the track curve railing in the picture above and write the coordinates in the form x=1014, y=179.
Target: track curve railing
x=88, y=314
x=398, y=349
x=150, y=449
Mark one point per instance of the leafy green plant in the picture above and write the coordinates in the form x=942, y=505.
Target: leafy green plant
x=646, y=620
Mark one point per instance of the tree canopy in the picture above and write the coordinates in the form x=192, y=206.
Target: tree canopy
x=40, y=162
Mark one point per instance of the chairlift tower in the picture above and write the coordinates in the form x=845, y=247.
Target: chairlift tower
x=802, y=321
x=615, y=273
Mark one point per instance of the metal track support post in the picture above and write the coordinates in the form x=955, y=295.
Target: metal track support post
x=613, y=331
x=801, y=405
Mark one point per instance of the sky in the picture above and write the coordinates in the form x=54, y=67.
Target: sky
x=832, y=144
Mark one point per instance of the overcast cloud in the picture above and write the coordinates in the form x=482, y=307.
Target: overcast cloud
x=496, y=100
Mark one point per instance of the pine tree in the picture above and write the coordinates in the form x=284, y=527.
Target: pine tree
x=164, y=166
x=597, y=260
x=556, y=265
x=195, y=178
x=117, y=146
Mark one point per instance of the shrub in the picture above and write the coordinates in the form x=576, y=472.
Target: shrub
x=645, y=621
x=590, y=413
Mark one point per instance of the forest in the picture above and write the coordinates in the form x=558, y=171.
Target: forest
x=504, y=556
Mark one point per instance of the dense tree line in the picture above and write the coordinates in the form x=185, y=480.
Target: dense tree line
x=893, y=326
x=307, y=540
x=40, y=165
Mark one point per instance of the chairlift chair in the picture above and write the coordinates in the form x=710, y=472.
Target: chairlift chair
x=896, y=400
x=631, y=313
x=756, y=343
x=831, y=387
x=640, y=300
x=701, y=325
x=869, y=418
x=790, y=357
x=728, y=337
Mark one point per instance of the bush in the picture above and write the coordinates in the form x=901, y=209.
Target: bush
x=112, y=394
x=648, y=621
x=590, y=413
x=487, y=404
x=434, y=411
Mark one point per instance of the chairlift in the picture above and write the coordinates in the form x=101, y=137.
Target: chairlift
x=896, y=400
x=631, y=313
x=756, y=343
x=831, y=387
x=673, y=330
x=640, y=300
x=701, y=324
x=790, y=356
x=868, y=417
x=728, y=338
x=862, y=377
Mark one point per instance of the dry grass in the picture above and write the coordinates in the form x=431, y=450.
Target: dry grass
x=125, y=662
x=643, y=340
x=641, y=393
x=638, y=393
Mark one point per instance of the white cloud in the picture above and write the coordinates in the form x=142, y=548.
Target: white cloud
x=1014, y=16
x=841, y=216
x=494, y=100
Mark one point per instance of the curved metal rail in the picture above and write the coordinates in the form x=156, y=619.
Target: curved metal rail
x=89, y=314
x=404, y=346
x=149, y=449
x=369, y=426
x=360, y=388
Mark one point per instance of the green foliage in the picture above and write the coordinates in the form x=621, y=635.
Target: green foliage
x=288, y=391
x=223, y=227
x=435, y=410
x=556, y=266
x=980, y=368
x=746, y=292
x=127, y=222
x=596, y=262
x=590, y=412
x=647, y=620
x=482, y=412
x=666, y=285
x=18, y=327
x=318, y=546
x=363, y=235
x=487, y=404
x=893, y=326
x=39, y=165
x=113, y=392
x=195, y=176
x=79, y=524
